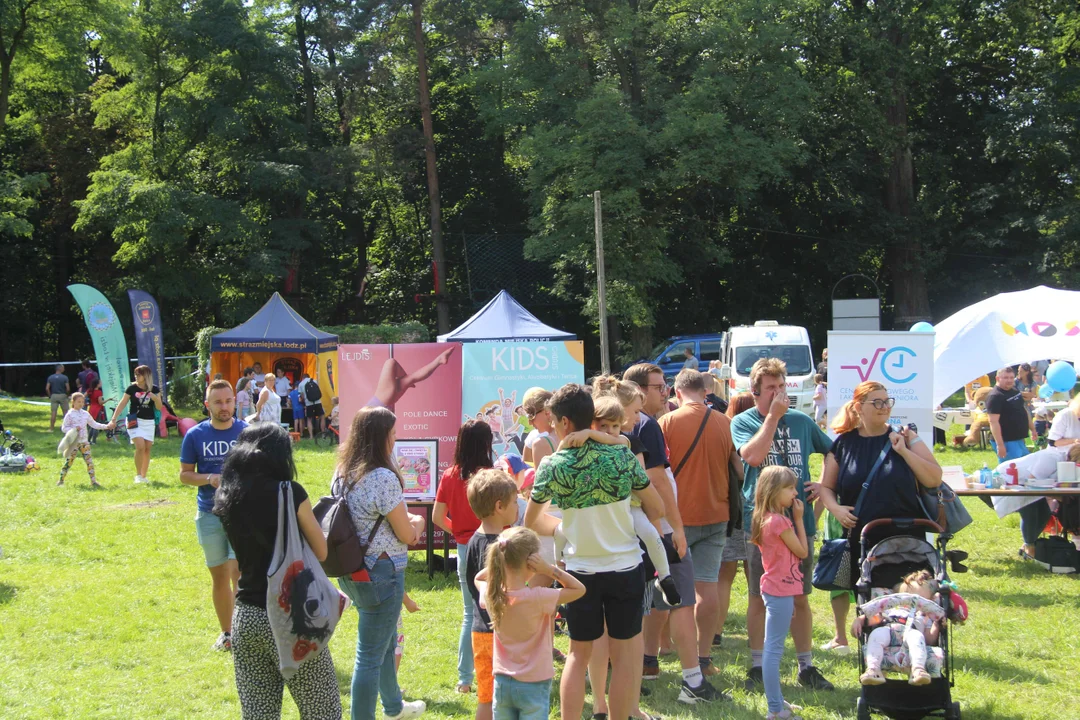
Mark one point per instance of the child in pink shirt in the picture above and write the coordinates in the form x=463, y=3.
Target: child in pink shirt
x=522, y=617
x=783, y=545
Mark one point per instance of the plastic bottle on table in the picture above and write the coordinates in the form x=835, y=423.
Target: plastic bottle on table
x=985, y=478
x=1013, y=474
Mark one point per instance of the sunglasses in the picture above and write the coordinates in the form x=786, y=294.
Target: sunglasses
x=882, y=404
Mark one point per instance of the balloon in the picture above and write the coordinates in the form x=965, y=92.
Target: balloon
x=1061, y=376
x=922, y=326
x=185, y=424
x=1045, y=392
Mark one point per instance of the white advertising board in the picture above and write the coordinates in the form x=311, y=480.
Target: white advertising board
x=901, y=361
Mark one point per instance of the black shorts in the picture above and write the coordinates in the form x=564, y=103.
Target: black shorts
x=314, y=410
x=614, y=597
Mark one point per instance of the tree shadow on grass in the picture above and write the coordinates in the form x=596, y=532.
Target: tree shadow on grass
x=1005, y=672
x=7, y=593
x=1020, y=599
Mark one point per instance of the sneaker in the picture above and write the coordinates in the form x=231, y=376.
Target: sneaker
x=671, y=593
x=702, y=693
x=140, y=480
x=650, y=671
x=412, y=709
x=812, y=678
x=60, y=481
x=754, y=680
x=224, y=643
x=95, y=485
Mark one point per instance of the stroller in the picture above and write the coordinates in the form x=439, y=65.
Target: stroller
x=884, y=566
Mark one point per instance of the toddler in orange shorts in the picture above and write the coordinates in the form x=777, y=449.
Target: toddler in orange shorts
x=493, y=498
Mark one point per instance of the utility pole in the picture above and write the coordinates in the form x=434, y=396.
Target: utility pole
x=605, y=356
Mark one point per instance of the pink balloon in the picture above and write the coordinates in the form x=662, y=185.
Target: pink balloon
x=185, y=424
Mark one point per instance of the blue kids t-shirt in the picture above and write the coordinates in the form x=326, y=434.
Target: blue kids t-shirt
x=297, y=406
x=206, y=448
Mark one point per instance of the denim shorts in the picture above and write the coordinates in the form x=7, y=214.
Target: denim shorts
x=215, y=545
x=706, y=542
x=514, y=699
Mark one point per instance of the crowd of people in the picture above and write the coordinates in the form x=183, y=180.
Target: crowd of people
x=628, y=516
x=630, y=524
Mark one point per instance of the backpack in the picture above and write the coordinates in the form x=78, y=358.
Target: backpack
x=312, y=392
x=345, y=550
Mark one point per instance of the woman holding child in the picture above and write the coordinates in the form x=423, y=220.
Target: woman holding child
x=903, y=463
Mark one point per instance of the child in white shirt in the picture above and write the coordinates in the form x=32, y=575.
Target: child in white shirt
x=78, y=419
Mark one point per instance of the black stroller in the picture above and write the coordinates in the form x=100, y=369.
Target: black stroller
x=884, y=566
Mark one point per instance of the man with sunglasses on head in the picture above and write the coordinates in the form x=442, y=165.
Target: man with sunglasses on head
x=771, y=433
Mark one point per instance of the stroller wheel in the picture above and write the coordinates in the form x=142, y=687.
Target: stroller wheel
x=953, y=713
x=862, y=710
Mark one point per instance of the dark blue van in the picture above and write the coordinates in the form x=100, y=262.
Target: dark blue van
x=670, y=356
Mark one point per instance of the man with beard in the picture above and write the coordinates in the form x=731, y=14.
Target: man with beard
x=201, y=456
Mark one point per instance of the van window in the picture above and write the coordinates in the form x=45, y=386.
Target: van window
x=710, y=350
x=675, y=352
x=796, y=357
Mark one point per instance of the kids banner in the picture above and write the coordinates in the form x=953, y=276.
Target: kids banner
x=901, y=361
x=495, y=377
x=110, y=348
x=419, y=382
x=144, y=310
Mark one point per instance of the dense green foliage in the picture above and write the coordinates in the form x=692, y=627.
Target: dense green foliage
x=750, y=154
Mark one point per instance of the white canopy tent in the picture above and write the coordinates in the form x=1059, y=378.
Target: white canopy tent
x=1037, y=324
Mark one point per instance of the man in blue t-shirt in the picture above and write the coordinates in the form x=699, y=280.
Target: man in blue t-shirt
x=201, y=456
x=772, y=434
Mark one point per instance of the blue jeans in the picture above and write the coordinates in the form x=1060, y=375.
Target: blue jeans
x=379, y=605
x=516, y=700
x=778, y=612
x=1033, y=517
x=464, y=646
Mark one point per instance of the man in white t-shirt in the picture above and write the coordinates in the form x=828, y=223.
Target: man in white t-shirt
x=1065, y=430
x=282, y=386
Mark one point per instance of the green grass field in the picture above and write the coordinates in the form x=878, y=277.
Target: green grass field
x=105, y=609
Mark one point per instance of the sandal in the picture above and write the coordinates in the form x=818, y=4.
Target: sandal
x=919, y=676
x=836, y=648
x=872, y=677
x=1025, y=556
x=464, y=688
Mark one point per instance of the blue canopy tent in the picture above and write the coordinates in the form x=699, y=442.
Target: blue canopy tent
x=277, y=336
x=504, y=319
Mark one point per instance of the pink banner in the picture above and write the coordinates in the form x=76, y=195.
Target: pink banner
x=420, y=382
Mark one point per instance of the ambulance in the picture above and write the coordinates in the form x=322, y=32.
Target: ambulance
x=742, y=346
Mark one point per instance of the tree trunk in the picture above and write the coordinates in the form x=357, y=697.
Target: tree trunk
x=5, y=88
x=441, y=305
x=305, y=63
x=904, y=257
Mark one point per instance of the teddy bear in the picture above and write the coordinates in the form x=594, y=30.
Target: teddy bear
x=979, y=418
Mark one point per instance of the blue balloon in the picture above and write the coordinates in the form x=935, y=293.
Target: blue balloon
x=922, y=326
x=1061, y=376
x=1045, y=392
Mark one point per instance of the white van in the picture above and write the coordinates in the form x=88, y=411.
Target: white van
x=743, y=345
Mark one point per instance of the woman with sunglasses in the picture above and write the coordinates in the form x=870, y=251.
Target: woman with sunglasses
x=864, y=431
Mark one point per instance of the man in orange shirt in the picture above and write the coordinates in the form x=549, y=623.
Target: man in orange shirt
x=701, y=454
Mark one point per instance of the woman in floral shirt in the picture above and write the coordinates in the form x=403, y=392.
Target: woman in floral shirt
x=375, y=493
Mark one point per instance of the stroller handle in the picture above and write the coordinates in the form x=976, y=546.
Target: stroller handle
x=901, y=523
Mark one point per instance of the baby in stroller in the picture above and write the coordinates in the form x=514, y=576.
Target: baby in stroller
x=908, y=618
x=907, y=631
